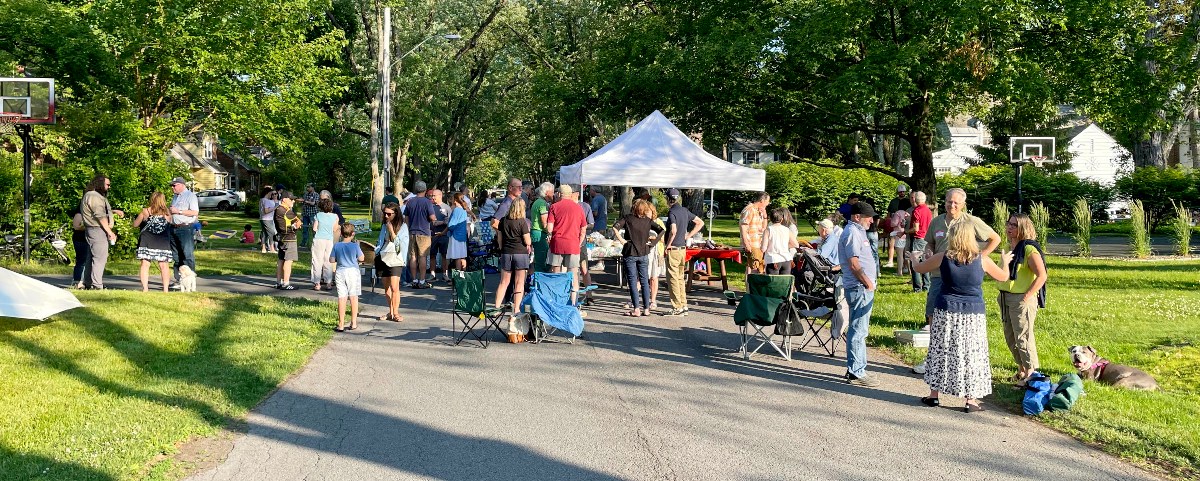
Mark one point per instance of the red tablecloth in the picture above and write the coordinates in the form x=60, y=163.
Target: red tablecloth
x=734, y=254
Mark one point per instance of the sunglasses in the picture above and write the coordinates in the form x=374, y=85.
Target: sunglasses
x=1011, y=224
x=388, y=213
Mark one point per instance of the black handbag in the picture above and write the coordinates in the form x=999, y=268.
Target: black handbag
x=788, y=321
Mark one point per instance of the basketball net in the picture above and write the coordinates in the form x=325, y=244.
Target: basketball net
x=1038, y=160
x=8, y=123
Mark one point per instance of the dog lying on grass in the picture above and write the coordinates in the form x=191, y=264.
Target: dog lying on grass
x=1091, y=366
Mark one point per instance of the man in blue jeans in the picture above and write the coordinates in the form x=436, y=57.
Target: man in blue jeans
x=185, y=208
x=859, y=271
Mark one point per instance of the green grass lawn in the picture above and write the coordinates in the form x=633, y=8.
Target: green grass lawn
x=1145, y=314
x=102, y=392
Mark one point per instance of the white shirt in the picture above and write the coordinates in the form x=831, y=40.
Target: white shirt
x=185, y=200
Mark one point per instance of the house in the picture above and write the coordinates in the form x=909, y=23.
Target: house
x=1095, y=155
x=964, y=135
x=743, y=150
x=242, y=177
x=200, y=159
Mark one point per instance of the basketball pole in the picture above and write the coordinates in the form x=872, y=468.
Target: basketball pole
x=27, y=142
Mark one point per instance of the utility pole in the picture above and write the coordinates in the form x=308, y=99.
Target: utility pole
x=385, y=85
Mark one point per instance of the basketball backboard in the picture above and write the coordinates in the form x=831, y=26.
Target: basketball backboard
x=27, y=100
x=1035, y=150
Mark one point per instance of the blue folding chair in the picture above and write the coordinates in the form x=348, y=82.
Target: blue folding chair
x=549, y=299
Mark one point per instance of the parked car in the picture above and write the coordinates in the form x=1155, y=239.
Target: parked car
x=218, y=199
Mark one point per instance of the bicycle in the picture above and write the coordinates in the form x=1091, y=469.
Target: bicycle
x=49, y=246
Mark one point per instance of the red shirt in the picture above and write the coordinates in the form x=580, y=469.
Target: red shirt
x=568, y=220
x=921, y=217
x=247, y=237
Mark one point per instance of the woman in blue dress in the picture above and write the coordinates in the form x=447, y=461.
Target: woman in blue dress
x=457, y=231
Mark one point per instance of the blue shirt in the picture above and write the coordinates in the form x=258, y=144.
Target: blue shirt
x=458, y=224
x=600, y=211
x=326, y=221
x=828, y=249
x=346, y=254
x=853, y=244
x=418, y=210
x=185, y=200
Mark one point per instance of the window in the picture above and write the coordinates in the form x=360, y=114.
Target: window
x=749, y=157
x=208, y=149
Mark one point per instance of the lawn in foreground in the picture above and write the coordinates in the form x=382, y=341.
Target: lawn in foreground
x=98, y=392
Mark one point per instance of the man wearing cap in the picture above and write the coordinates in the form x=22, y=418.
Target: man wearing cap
x=682, y=224
x=901, y=201
x=286, y=223
x=421, y=214
x=184, y=209
x=566, y=227
x=859, y=272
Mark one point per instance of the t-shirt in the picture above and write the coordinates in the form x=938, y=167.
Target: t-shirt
x=326, y=221
x=247, y=237
x=310, y=204
x=854, y=243
x=95, y=207
x=457, y=224
x=513, y=233
x=266, y=209
x=441, y=214
x=779, y=248
x=283, y=224
x=938, y=229
x=76, y=235
x=502, y=208
x=538, y=208
x=921, y=216
x=587, y=214
x=1024, y=279
x=346, y=255
x=568, y=221
x=600, y=211
x=899, y=203
x=682, y=218
x=419, y=209
x=185, y=200
x=488, y=210
x=637, y=234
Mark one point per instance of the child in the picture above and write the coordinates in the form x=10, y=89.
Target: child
x=248, y=235
x=347, y=255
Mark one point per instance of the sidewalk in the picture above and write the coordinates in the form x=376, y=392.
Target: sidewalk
x=646, y=398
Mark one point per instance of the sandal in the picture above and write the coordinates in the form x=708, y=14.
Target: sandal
x=972, y=408
x=338, y=329
x=931, y=402
x=633, y=313
x=351, y=328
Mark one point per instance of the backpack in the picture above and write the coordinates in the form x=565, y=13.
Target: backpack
x=1037, y=394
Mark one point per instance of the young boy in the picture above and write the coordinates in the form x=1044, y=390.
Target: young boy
x=347, y=255
x=248, y=235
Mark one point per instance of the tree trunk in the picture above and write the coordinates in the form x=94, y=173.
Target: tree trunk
x=626, y=200
x=923, y=177
x=399, y=164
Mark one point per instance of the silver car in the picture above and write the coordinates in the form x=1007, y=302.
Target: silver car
x=218, y=199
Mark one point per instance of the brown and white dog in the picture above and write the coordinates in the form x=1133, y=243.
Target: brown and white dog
x=1091, y=366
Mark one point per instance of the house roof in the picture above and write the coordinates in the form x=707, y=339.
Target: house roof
x=185, y=155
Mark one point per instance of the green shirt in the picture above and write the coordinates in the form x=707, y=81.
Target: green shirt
x=937, y=238
x=539, y=208
x=1024, y=279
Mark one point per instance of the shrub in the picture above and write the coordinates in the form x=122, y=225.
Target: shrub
x=1181, y=229
x=1040, y=216
x=1139, y=234
x=1083, y=227
x=1152, y=185
x=999, y=218
x=988, y=182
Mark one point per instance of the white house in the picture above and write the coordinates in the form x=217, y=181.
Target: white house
x=743, y=150
x=1095, y=155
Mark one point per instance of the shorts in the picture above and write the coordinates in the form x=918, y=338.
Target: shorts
x=289, y=250
x=514, y=262
x=348, y=282
x=383, y=270
x=754, y=259
x=440, y=244
x=419, y=247
x=570, y=261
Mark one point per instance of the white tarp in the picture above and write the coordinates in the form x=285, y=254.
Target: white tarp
x=26, y=298
x=654, y=153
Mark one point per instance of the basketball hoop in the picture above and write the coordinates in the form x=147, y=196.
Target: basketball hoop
x=1038, y=160
x=8, y=123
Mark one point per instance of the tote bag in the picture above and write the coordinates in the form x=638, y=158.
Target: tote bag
x=394, y=253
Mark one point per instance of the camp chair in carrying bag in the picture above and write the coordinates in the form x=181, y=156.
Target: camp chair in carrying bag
x=470, y=311
x=819, y=301
x=549, y=300
x=766, y=309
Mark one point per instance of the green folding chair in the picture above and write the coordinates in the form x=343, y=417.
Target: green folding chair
x=756, y=314
x=470, y=311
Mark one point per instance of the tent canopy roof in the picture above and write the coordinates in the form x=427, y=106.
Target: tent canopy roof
x=654, y=153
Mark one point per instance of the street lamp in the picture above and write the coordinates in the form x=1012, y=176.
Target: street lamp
x=385, y=86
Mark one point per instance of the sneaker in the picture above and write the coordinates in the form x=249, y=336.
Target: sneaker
x=865, y=381
x=677, y=312
x=925, y=328
x=919, y=368
x=176, y=287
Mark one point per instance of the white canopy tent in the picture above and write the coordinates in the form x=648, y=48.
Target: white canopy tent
x=654, y=153
x=28, y=298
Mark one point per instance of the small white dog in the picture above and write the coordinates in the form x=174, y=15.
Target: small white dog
x=187, y=279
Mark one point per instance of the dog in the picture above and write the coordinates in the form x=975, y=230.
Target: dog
x=187, y=279
x=1091, y=366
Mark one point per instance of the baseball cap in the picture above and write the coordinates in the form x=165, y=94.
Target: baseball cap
x=902, y=188
x=565, y=189
x=825, y=224
x=178, y=180
x=863, y=209
x=673, y=193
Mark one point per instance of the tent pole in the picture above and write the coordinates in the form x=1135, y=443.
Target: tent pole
x=711, y=216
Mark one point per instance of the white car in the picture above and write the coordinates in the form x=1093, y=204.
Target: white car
x=218, y=199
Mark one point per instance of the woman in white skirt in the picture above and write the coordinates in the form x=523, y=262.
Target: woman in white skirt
x=457, y=226
x=958, y=362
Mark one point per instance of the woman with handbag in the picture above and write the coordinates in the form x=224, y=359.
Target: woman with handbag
x=154, y=240
x=391, y=256
x=633, y=231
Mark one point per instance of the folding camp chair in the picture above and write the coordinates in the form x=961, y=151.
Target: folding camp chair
x=368, y=263
x=818, y=298
x=549, y=299
x=767, y=305
x=470, y=310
